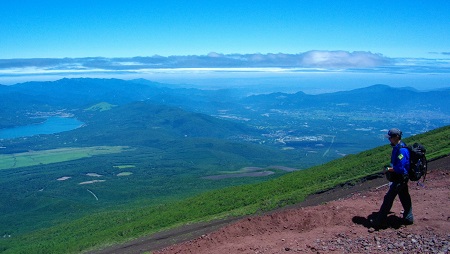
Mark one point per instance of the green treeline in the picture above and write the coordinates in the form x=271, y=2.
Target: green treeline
x=101, y=229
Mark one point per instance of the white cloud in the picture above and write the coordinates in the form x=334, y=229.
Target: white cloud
x=339, y=59
x=214, y=54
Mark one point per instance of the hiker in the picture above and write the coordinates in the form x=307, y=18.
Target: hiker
x=397, y=174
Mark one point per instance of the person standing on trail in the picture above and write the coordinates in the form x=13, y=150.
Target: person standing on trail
x=397, y=174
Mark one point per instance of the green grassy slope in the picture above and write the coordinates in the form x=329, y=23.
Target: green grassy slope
x=33, y=158
x=118, y=226
x=53, y=179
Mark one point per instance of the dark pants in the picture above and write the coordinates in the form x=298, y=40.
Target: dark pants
x=400, y=189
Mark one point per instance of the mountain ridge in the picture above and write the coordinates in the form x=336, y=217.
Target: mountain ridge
x=84, y=92
x=381, y=96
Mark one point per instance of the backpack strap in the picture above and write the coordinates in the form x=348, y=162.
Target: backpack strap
x=424, y=174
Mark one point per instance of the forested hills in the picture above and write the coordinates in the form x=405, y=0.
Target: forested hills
x=18, y=100
x=145, y=145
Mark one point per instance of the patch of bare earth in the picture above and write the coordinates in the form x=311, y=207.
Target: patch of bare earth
x=334, y=221
x=340, y=226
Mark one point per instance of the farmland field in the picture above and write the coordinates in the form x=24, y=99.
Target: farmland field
x=33, y=158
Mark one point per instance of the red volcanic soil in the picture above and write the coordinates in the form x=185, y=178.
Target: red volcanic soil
x=335, y=221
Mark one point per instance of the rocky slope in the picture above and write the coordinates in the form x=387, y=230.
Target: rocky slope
x=340, y=226
x=335, y=221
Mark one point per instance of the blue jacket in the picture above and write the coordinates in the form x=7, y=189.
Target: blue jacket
x=400, y=158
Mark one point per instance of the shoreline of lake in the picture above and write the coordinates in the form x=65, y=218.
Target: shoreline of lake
x=51, y=125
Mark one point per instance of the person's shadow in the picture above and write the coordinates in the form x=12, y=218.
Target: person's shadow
x=393, y=221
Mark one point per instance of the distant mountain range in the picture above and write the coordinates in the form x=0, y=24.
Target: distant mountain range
x=380, y=96
x=17, y=100
x=150, y=109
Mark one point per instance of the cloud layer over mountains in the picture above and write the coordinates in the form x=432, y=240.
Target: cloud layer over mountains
x=316, y=60
x=319, y=59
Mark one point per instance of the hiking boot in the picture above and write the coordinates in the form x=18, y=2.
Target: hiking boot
x=407, y=221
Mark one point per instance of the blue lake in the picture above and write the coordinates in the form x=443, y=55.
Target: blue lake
x=50, y=126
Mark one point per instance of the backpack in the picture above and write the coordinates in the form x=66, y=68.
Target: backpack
x=417, y=162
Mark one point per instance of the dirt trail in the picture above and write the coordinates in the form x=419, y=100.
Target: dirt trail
x=339, y=225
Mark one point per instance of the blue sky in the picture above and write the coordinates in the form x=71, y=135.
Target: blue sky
x=85, y=37
x=86, y=28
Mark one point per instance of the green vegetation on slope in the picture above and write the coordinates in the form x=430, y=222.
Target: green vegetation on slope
x=102, y=106
x=117, y=226
x=45, y=195
x=32, y=158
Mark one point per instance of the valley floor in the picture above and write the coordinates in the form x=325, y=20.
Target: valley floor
x=335, y=221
